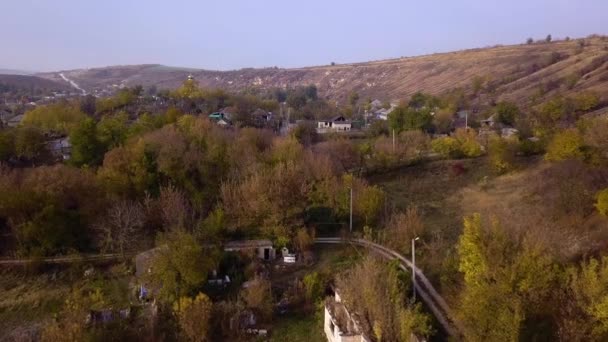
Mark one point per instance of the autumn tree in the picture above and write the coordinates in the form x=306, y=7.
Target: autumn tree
x=175, y=210
x=489, y=308
x=193, y=316
x=566, y=144
x=402, y=227
x=375, y=291
x=601, y=203
x=505, y=283
x=589, y=288
x=58, y=117
x=258, y=295
x=121, y=226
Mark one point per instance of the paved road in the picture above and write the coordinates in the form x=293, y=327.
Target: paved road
x=424, y=288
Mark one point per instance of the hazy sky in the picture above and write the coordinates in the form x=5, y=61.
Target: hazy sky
x=46, y=35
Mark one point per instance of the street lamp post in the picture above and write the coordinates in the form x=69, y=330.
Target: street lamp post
x=414, y=268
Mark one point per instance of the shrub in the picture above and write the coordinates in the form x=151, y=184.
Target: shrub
x=566, y=144
x=531, y=147
x=501, y=154
x=462, y=144
x=314, y=286
x=602, y=202
x=507, y=112
x=446, y=147
x=467, y=139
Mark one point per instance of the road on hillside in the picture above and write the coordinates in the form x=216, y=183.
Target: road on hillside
x=424, y=288
x=73, y=84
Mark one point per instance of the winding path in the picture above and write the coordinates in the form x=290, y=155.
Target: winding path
x=424, y=288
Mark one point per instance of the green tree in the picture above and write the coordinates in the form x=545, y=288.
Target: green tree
x=181, y=265
x=112, y=130
x=507, y=112
x=404, y=118
x=314, y=286
x=86, y=147
x=7, y=145
x=29, y=143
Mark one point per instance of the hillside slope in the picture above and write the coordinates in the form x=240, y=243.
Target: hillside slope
x=514, y=72
x=30, y=85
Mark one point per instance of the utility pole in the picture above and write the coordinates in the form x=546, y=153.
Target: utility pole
x=414, y=269
x=393, y=140
x=351, y=209
x=466, y=120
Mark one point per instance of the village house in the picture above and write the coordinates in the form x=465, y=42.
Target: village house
x=339, y=325
x=262, y=249
x=335, y=124
x=60, y=148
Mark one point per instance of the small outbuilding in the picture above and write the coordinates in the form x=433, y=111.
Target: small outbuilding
x=263, y=249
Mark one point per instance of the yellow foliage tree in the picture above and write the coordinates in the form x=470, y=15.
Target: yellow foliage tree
x=566, y=144
x=193, y=316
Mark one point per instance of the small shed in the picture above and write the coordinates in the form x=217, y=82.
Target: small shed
x=263, y=249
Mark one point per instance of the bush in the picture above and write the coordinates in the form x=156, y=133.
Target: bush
x=467, y=139
x=507, y=112
x=602, y=202
x=565, y=145
x=446, y=147
x=501, y=154
x=314, y=287
x=462, y=144
x=531, y=147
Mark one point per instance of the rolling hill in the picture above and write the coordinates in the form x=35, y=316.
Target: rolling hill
x=30, y=84
x=514, y=72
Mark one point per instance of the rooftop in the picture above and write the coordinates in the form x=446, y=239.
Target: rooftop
x=248, y=244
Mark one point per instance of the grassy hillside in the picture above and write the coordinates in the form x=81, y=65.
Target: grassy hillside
x=30, y=84
x=516, y=72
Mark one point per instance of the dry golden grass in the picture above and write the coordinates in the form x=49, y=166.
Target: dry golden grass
x=392, y=79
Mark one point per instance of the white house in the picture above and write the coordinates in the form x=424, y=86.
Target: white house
x=335, y=124
x=339, y=325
